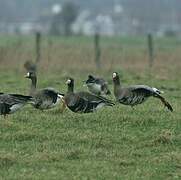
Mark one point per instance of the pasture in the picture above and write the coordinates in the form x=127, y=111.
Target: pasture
x=113, y=143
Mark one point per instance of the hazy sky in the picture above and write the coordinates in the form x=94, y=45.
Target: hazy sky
x=32, y=9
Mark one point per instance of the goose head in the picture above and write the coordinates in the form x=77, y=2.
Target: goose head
x=70, y=84
x=33, y=78
x=115, y=78
x=30, y=75
x=90, y=79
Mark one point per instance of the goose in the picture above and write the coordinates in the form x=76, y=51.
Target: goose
x=83, y=102
x=97, y=86
x=137, y=94
x=10, y=103
x=44, y=98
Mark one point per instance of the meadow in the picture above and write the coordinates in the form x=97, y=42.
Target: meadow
x=113, y=143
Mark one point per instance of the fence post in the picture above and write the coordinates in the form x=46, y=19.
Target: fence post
x=49, y=43
x=97, y=50
x=37, y=46
x=150, y=50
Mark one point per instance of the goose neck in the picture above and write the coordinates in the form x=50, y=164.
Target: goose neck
x=70, y=88
x=33, y=85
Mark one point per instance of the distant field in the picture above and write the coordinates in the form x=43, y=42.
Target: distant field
x=113, y=143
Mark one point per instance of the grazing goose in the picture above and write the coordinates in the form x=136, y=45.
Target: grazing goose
x=44, y=98
x=83, y=102
x=97, y=86
x=136, y=94
x=10, y=103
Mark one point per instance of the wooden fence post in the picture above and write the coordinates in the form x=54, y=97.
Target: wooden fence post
x=49, y=43
x=37, y=46
x=97, y=50
x=150, y=50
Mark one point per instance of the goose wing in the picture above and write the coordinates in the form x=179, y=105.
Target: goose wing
x=93, y=80
x=94, y=98
x=100, y=81
x=10, y=103
x=47, y=98
x=142, y=90
x=20, y=98
x=134, y=95
x=53, y=94
x=104, y=86
x=12, y=99
x=79, y=102
x=147, y=91
x=50, y=94
x=76, y=103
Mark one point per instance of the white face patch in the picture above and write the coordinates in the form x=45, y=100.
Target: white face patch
x=28, y=74
x=68, y=81
x=114, y=75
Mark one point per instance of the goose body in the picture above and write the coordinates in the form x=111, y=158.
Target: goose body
x=44, y=98
x=10, y=103
x=97, y=86
x=83, y=102
x=137, y=94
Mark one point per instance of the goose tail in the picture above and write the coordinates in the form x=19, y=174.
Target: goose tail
x=165, y=103
x=23, y=98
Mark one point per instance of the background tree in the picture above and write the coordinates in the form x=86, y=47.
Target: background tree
x=69, y=14
x=62, y=21
x=56, y=25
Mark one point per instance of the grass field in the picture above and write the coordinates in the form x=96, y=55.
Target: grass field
x=113, y=143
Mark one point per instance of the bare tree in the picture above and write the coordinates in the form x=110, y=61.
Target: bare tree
x=69, y=14
x=62, y=21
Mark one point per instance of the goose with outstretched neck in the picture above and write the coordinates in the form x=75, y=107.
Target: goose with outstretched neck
x=136, y=94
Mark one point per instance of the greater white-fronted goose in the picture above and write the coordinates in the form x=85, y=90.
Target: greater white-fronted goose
x=44, y=98
x=97, y=86
x=10, y=103
x=83, y=102
x=137, y=94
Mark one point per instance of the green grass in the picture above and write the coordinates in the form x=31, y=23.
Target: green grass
x=113, y=143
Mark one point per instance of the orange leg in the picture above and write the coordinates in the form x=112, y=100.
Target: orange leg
x=63, y=106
